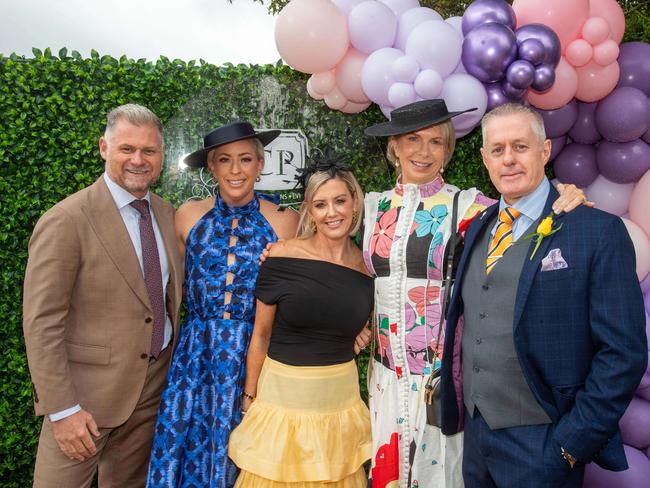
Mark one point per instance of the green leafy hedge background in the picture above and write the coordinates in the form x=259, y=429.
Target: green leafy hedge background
x=52, y=110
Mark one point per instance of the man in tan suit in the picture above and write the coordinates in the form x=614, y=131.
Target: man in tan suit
x=102, y=291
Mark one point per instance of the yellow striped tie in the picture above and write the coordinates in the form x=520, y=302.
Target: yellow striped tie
x=502, y=239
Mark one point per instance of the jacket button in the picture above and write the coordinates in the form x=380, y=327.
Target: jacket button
x=485, y=287
x=148, y=320
x=144, y=355
x=478, y=341
x=476, y=369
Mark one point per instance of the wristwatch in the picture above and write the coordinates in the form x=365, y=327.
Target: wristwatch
x=569, y=458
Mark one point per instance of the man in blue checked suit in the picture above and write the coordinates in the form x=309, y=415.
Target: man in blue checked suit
x=545, y=345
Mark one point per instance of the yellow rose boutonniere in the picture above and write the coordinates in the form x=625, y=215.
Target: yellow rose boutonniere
x=544, y=229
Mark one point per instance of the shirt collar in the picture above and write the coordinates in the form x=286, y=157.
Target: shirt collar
x=121, y=197
x=531, y=205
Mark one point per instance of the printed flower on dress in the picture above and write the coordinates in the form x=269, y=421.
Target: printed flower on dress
x=416, y=295
x=428, y=222
x=385, y=473
x=382, y=236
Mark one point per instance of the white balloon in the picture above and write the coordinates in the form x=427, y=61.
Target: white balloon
x=400, y=94
x=457, y=23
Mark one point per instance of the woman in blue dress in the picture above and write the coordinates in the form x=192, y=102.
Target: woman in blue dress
x=222, y=237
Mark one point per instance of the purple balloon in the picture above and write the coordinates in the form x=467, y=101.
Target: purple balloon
x=495, y=95
x=510, y=91
x=646, y=136
x=634, y=61
x=635, y=424
x=531, y=50
x=488, y=50
x=645, y=288
x=623, y=162
x=647, y=302
x=486, y=11
x=546, y=36
x=544, y=77
x=636, y=476
x=520, y=74
x=584, y=130
x=558, y=122
x=622, y=116
x=557, y=144
x=576, y=164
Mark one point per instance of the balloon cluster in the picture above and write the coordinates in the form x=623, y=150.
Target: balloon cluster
x=507, y=62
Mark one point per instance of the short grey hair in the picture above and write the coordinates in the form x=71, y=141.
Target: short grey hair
x=515, y=109
x=135, y=114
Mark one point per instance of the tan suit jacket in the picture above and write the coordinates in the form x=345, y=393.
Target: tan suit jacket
x=86, y=313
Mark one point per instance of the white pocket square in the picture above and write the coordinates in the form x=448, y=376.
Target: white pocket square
x=553, y=261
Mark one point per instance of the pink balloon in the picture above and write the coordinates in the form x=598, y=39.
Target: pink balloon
x=595, y=30
x=641, y=248
x=324, y=82
x=640, y=203
x=612, y=12
x=636, y=476
x=562, y=91
x=354, y=108
x=372, y=25
x=579, y=52
x=348, y=76
x=635, y=424
x=595, y=82
x=564, y=17
x=313, y=93
x=606, y=52
x=376, y=78
x=608, y=196
x=311, y=35
x=335, y=99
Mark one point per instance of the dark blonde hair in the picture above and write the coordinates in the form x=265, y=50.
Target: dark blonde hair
x=448, y=134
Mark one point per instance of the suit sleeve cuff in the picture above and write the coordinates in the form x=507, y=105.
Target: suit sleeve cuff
x=64, y=413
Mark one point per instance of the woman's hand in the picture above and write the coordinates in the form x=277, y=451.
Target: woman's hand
x=245, y=404
x=362, y=340
x=571, y=197
x=266, y=252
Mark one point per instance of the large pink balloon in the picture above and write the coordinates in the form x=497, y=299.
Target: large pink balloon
x=564, y=17
x=354, y=108
x=635, y=477
x=635, y=424
x=641, y=248
x=562, y=91
x=595, y=82
x=348, y=76
x=335, y=99
x=311, y=35
x=608, y=196
x=612, y=12
x=640, y=203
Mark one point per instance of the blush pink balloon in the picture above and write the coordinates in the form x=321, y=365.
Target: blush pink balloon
x=611, y=11
x=323, y=82
x=564, y=17
x=595, y=82
x=640, y=203
x=641, y=248
x=609, y=196
x=348, y=76
x=310, y=90
x=311, y=35
x=579, y=52
x=595, y=30
x=606, y=52
x=354, y=108
x=335, y=99
x=562, y=91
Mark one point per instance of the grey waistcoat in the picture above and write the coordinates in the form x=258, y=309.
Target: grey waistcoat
x=492, y=377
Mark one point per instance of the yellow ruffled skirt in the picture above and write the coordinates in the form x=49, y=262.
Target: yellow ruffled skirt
x=307, y=428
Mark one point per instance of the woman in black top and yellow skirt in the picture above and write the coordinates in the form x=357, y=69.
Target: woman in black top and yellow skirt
x=305, y=424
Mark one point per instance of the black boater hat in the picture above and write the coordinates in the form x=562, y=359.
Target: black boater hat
x=414, y=116
x=236, y=131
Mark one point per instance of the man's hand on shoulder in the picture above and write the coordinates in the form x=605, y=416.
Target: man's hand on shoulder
x=73, y=435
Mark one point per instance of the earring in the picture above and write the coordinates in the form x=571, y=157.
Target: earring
x=397, y=164
x=355, y=218
x=258, y=179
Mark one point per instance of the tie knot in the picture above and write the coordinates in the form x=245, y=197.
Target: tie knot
x=508, y=215
x=141, y=206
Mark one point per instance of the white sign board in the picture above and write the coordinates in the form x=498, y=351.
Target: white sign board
x=283, y=157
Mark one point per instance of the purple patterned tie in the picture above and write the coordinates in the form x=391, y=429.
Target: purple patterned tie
x=152, y=274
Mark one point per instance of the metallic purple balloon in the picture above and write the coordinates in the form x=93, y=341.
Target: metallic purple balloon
x=495, y=95
x=546, y=36
x=512, y=93
x=646, y=136
x=558, y=122
x=520, y=74
x=544, y=77
x=576, y=164
x=623, y=162
x=531, y=50
x=557, y=144
x=488, y=50
x=622, y=116
x=584, y=130
x=634, y=60
x=484, y=11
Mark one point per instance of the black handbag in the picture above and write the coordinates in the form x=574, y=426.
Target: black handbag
x=453, y=250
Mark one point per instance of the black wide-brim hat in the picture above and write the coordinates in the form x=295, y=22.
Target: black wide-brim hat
x=414, y=116
x=237, y=131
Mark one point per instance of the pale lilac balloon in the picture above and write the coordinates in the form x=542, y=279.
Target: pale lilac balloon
x=584, y=130
x=400, y=94
x=645, y=288
x=372, y=25
x=623, y=162
x=410, y=20
x=531, y=50
x=558, y=122
x=462, y=133
x=405, y=69
x=520, y=74
x=641, y=248
x=428, y=84
x=512, y=92
x=634, y=61
x=640, y=203
x=557, y=144
x=636, y=476
x=488, y=50
x=386, y=110
x=462, y=92
x=546, y=36
x=436, y=45
x=456, y=22
x=346, y=6
x=622, y=116
x=375, y=75
x=481, y=12
x=544, y=77
x=576, y=164
x=400, y=6
x=495, y=95
x=635, y=424
x=609, y=196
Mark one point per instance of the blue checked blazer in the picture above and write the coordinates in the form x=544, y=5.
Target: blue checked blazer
x=579, y=333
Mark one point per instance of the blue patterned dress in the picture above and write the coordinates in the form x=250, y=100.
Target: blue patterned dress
x=202, y=401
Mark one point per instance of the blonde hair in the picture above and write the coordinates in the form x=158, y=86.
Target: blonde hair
x=258, y=148
x=537, y=122
x=448, y=135
x=306, y=226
